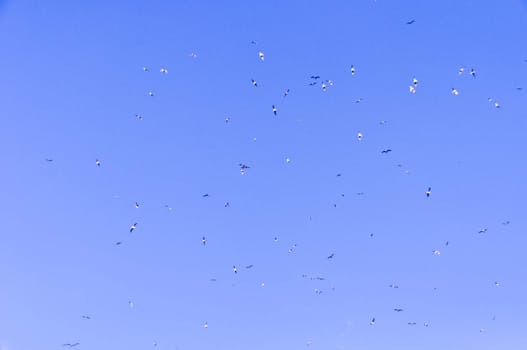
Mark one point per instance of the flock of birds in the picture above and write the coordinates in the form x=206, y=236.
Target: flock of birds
x=325, y=85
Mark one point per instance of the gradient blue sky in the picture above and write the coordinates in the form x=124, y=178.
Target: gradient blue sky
x=72, y=83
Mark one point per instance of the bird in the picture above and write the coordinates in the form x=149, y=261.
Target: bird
x=151, y=94
x=359, y=100
x=154, y=343
x=86, y=317
x=213, y=280
x=505, y=223
x=139, y=116
x=331, y=256
x=136, y=205
x=131, y=304
x=447, y=243
x=386, y=151
x=249, y=266
x=455, y=92
x=286, y=93
x=372, y=322
x=313, y=83
x=393, y=285
x=118, y=243
x=71, y=345
x=206, y=325
x=411, y=22
x=415, y=81
x=203, y=240
x=483, y=230
x=205, y=195
x=253, y=42
x=323, y=87
x=436, y=252
x=163, y=70
x=276, y=239
x=49, y=160
x=261, y=55
x=398, y=310
x=428, y=192
x=133, y=227
x=412, y=89
x=288, y=160
x=473, y=72
x=275, y=110
x=227, y=204
x=193, y=55
x=461, y=70
x=227, y=120
x=426, y=324
x=497, y=284
x=235, y=270
x=497, y=104
x=254, y=82
x=315, y=77
x=97, y=162
x=145, y=69
x=353, y=70
x=412, y=323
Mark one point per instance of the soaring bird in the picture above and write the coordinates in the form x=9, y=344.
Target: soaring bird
x=97, y=162
x=323, y=87
x=49, y=160
x=415, y=81
x=261, y=55
x=428, y=192
x=163, y=70
x=286, y=93
x=412, y=323
x=412, y=89
x=275, y=110
x=386, y=151
x=133, y=227
x=411, y=22
x=151, y=94
x=205, y=195
x=461, y=70
x=71, y=345
x=86, y=317
x=254, y=82
x=331, y=256
x=473, y=72
x=483, y=230
x=136, y=205
x=398, y=310
x=249, y=266
x=145, y=69
x=315, y=77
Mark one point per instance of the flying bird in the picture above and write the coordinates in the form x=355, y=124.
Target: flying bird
x=243, y=168
x=133, y=227
x=118, y=243
x=193, y=55
x=97, y=162
x=412, y=89
x=151, y=94
x=139, y=116
x=163, y=70
x=315, y=77
x=372, y=322
x=49, y=160
x=71, y=345
x=261, y=55
x=436, y=252
x=473, y=72
x=483, y=230
x=398, y=310
x=235, y=270
x=415, y=81
x=428, y=192
x=136, y=205
x=205, y=195
x=331, y=256
x=86, y=317
x=275, y=110
x=411, y=22
x=204, y=240
x=323, y=87
x=249, y=266
x=353, y=70
x=286, y=93
x=461, y=70
x=145, y=69
x=412, y=323
x=455, y=92
x=313, y=83
x=386, y=151
x=254, y=82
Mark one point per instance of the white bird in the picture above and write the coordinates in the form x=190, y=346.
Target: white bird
x=483, y=230
x=203, y=240
x=359, y=136
x=412, y=89
x=163, y=70
x=497, y=104
x=414, y=81
x=150, y=94
x=133, y=227
x=97, y=162
x=436, y=252
x=145, y=69
x=275, y=110
x=234, y=269
x=136, y=205
x=254, y=82
x=261, y=55
x=497, y=284
x=288, y=160
x=131, y=304
x=428, y=192
x=461, y=70
x=455, y=92
x=206, y=325
x=286, y=93
x=353, y=70
x=193, y=55
x=323, y=87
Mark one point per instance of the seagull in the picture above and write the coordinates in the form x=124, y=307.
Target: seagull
x=227, y=120
x=133, y=227
x=330, y=82
x=313, y=83
x=473, y=72
x=359, y=100
x=412, y=89
x=428, y=192
x=261, y=55
x=455, y=92
x=286, y=93
x=234, y=269
x=426, y=324
x=253, y=42
x=203, y=240
x=97, y=162
x=395, y=286
x=353, y=70
x=254, y=82
x=372, y=322
x=386, y=151
x=71, y=345
x=275, y=110
x=461, y=70
x=411, y=22
x=86, y=317
x=331, y=256
x=446, y=243
x=213, y=280
x=131, y=304
x=483, y=230
x=288, y=160
x=276, y=239
x=163, y=70
x=154, y=344
x=497, y=104
x=136, y=205
x=243, y=168
x=398, y=310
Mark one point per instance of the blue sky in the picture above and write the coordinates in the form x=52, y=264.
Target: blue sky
x=72, y=83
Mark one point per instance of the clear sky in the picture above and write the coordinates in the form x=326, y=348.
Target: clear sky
x=72, y=83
